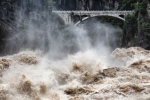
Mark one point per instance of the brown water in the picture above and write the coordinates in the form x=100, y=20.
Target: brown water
x=29, y=75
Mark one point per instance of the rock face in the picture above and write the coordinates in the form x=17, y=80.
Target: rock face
x=6, y=9
x=86, y=4
x=6, y=18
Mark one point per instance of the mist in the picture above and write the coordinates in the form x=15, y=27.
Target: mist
x=48, y=60
x=39, y=30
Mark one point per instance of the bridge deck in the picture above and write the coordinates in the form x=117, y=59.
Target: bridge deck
x=94, y=12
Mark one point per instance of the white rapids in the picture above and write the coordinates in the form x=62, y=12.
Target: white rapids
x=85, y=75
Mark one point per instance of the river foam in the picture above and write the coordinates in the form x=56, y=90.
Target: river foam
x=29, y=75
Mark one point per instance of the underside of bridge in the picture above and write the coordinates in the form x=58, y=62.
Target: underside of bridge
x=117, y=21
x=77, y=19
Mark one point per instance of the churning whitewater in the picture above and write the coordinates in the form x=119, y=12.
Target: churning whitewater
x=29, y=75
x=46, y=61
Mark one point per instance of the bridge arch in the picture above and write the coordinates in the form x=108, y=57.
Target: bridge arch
x=67, y=16
x=86, y=18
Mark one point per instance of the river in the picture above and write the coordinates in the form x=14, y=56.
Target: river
x=48, y=63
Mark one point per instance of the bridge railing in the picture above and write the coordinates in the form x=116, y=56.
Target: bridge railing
x=94, y=12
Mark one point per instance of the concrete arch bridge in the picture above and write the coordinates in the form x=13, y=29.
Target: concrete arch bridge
x=75, y=17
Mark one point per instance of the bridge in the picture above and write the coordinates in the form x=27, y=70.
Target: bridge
x=69, y=16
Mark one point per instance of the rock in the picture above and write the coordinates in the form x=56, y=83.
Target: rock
x=4, y=64
x=110, y=72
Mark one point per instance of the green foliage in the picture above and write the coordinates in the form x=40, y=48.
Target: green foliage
x=126, y=4
x=143, y=8
x=146, y=28
x=132, y=35
x=50, y=1
x=112, y=20
x=130, y=18
x=130, y=30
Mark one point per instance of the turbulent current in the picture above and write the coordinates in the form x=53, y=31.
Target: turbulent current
x=45, y=61
x=29, y=75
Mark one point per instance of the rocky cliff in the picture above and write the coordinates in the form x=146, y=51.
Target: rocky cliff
x=93, y=4
x=86, y=4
